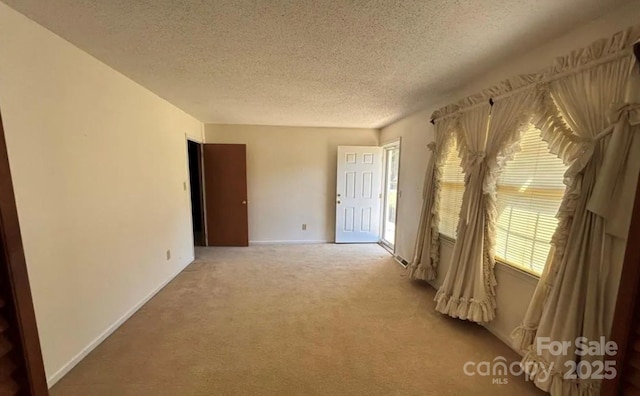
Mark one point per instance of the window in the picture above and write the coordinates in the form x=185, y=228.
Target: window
x=451, y=193
x=529, y=193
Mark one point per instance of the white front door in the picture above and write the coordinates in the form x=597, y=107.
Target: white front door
x=358, y=194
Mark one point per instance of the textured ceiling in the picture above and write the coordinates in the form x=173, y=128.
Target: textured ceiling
x=306, y=62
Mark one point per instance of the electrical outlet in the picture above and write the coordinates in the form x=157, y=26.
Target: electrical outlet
x=304, y=227
x=169, y=254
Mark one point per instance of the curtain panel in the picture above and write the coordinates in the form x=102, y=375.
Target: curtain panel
x=590, y=120
x=488, y=137
x=464, y=293
x=426, y=257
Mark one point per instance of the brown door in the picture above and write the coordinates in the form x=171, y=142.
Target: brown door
x=21, y=367
x=225, y=184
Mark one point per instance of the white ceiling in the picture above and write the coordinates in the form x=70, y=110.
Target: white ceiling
x=340, y=63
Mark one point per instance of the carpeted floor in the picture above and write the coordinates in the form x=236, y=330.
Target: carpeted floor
x=292, y=320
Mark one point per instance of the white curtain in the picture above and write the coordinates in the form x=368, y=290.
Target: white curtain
x=426, y=256
x=488, y=137
x=589, y=123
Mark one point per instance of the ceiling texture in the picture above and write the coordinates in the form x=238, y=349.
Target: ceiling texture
x=342, y=63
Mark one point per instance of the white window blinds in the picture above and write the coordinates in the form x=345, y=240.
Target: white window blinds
x=451, y=193
x=529, y=193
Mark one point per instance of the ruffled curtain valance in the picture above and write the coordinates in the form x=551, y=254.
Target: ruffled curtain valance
x=619, y=44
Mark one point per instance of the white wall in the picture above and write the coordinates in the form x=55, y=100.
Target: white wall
x=291, y=177
x=515, y=288
x=98, y=165
x=413, y=164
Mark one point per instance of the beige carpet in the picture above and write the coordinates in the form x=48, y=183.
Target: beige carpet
x=292, y=320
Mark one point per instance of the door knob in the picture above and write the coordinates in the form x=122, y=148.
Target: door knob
x=244, y=202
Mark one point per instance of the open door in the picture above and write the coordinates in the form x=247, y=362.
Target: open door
x=21, y=366
x=358, y=194
x=225, y=185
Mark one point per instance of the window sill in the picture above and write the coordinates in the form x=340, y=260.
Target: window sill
x=447, y=239
x=517, y=272
x=502, y=266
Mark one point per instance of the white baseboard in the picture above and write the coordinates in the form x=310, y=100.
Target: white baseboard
x=57, y=376
x=296, y=242
x=505, y=338
x=435, y=284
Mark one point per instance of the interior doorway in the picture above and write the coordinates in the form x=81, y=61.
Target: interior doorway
x=390, y=193
x=197, y=202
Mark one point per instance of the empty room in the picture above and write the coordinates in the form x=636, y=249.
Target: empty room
x=308, y=197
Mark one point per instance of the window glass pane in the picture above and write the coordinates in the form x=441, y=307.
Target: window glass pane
x=529, y=193
x=391, y=158
x=451, y=193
